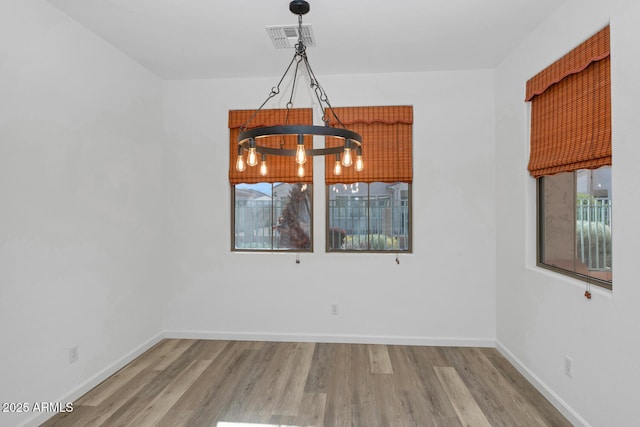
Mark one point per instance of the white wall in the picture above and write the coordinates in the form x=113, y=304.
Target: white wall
x=443, y=293
x=543, y=317
x=81, y=206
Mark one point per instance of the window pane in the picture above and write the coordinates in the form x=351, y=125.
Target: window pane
x=272, y=216
x=575, y=222
x=558, y=225
x=368, y=217
x=593, y=230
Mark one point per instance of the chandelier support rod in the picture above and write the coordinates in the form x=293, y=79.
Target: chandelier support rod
x=274, y=91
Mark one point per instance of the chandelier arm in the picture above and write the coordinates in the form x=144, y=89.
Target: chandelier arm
x=321, y=94
x=274, y=91
x=317, y=90
x=297, y=60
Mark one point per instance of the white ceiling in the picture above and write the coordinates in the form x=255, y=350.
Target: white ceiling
x=185, y=39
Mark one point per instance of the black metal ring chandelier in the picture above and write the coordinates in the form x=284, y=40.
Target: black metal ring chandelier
x=248, y=139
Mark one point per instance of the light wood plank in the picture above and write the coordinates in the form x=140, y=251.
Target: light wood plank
x=463, y=402
x=99, y=414
x=165, y=378
x=124, y=375
x=339, y=387
x=312, y=409
x=175, y=418
x=160, y=405
x=379, y=359
x=214, y=391
x=248, y=402
x=420, y=390
x=514, y=403
x=311, y=413
x=319, y=370
x=364, y=402
x=290, y=387
x=67, y=419
x=531, y=395
x=167, y=358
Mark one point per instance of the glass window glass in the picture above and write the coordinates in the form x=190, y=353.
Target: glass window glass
x=272, y=217
x=369, y=217
x=575, y=223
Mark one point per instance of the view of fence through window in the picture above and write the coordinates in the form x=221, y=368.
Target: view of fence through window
x=593, y=233
x=270, y=217
x=593, y=220
x=368, y=217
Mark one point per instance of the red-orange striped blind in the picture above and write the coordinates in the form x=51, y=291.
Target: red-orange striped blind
x=386, y=144
x=571, y=110
x=280, y=168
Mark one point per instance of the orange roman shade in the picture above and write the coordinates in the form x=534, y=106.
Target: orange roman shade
x=280, y=168
x=571, y=110
x=386, y=144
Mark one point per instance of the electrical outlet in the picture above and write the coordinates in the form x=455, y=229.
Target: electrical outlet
x=334, y=309
x=73, y=354
x=568, y=366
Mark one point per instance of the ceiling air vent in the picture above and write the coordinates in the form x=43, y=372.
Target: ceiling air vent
x=286, y=36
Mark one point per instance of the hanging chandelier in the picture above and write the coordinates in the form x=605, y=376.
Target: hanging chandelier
x=249, y=139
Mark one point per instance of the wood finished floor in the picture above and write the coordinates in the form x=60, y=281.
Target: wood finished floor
x=219, y=383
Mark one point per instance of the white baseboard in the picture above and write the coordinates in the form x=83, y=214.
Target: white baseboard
x=343, y=339
x=97, y=379
x=546, y=391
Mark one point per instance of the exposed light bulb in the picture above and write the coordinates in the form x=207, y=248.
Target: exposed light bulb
x=359, y=162
x=240, y=164
x=252, y=158
x=301, y=154
x=347, y=160
x=300, y=171
x=337, y=168
x=263, y=166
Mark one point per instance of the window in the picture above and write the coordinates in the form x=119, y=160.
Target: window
x=272, y=212
x=574, y=223
x=366, y=211
x=371, y=210
x=368, y=217
x=571, y=159
x=272, y=217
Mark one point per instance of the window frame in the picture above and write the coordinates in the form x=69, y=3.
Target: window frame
x=232, y=238
x=328, y=227
x=540, y=237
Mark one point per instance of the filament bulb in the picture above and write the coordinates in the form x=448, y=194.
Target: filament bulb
x=337, y=168
x=252, y=158
x=240, y=164
x=301, y=155
x=346, y=157
x=300, y=171
x=359, y=162
x=263, y=166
